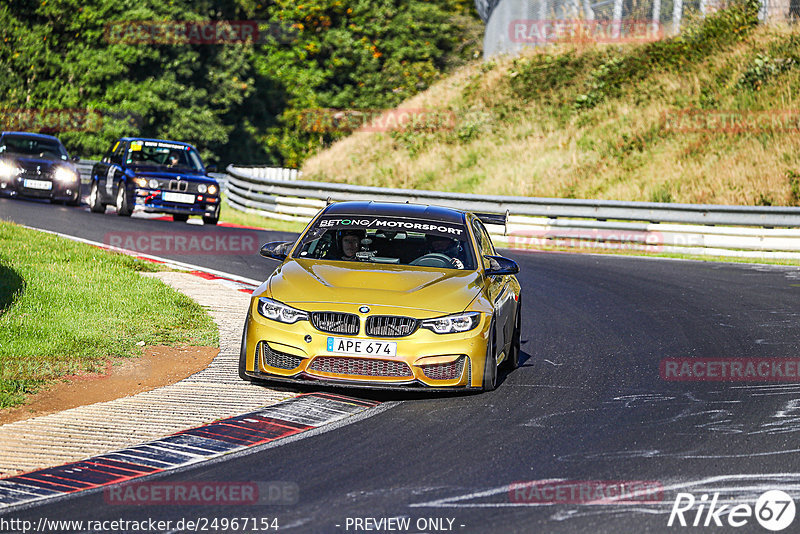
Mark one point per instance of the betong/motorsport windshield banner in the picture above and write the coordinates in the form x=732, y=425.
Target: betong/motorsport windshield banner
x=396, y=224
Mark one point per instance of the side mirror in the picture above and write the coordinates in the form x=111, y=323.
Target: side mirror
x=211, y=168
x=76, y=158
x=276, y=250
x=499, y=266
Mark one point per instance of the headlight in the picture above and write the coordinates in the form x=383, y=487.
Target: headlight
x=202, y=188
x=153, y=183
x=7, y=170
x=212, y=189
x=277, y=311
x=65, y=175
x=452, y=324
x=140, y=182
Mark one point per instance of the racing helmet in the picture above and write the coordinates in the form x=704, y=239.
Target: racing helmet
x=341, y=234
x=452, y=248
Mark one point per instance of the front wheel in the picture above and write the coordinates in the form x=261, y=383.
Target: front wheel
x=212, y=219
x=512, y=362
x=75, y=200
x=180, y=217
x=243, y=355
x=490, y=365
x=94, y=200
x=123, y=205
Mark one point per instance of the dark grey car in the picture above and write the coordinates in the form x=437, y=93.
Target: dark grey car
x=38, y=166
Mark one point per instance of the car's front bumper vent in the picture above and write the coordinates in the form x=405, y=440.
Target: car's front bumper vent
x=34, y=170
x=274, y=358
x=390, y=325
x=335, y=322
x=360, y=367
x=444, y=371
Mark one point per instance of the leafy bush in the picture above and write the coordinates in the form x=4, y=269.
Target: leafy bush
x=236, y=102
x=762, y=69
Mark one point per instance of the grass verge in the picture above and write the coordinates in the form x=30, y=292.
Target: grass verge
x=708, y=116
x=66, y=308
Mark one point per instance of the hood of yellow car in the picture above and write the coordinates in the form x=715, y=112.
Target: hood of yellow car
x=422, y=288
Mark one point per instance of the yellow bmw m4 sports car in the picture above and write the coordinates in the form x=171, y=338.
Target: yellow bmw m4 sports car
x=386, y=295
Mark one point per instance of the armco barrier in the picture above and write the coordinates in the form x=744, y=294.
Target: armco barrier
x=736, y=231
x=84, y=167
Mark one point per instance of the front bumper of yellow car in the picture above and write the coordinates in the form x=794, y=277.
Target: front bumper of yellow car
x=299, y=352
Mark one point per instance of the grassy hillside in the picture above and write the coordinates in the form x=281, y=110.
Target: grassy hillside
x=602, y=122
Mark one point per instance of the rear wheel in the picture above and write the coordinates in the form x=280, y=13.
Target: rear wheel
x=123, y=205
x=94, y=200
x=180, y=217
x=490, y=365
x=512, y=362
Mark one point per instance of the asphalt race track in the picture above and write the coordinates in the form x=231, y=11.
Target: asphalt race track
x=587, y=404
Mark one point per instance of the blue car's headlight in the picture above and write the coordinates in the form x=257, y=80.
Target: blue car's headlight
x=452, y=324
x=277, y=311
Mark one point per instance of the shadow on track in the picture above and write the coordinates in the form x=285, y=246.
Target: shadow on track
x=386, y=395
x=11, y=286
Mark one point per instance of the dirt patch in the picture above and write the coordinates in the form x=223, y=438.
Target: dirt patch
x=159, y=366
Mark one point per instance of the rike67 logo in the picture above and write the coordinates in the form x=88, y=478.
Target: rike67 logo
x=774, y=510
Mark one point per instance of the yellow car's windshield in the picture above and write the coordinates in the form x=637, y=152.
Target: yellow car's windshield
x=389, y=240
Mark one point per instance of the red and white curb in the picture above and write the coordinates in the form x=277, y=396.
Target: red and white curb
x=288, y=418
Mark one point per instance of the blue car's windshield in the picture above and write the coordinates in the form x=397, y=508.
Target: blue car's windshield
x=163, y=154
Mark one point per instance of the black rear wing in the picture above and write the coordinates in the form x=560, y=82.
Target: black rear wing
x=499, y=219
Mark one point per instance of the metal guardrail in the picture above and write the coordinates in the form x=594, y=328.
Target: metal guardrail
x=745, y=231
x=85, y=169
x=269, y=173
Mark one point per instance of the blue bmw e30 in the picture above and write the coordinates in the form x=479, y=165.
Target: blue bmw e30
x=156, y=176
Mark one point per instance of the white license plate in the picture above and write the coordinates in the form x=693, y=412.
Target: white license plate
x=361, y=347
x=38, y=184
x=177, y=197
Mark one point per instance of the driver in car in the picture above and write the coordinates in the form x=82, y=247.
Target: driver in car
x=350, y=243
x=439, y=244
